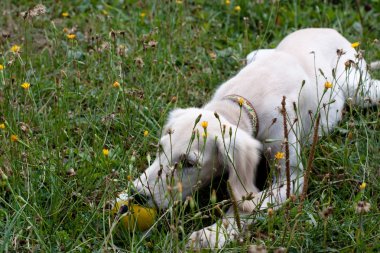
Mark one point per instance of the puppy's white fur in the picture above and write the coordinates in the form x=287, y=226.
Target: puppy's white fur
x=308, y=56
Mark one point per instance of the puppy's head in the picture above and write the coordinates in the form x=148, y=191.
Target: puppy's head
x=195, y=147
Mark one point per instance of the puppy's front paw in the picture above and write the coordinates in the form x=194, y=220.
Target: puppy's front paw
x=213, y=237
x=205, y=239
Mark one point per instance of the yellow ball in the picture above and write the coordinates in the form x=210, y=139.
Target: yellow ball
x=135, y=216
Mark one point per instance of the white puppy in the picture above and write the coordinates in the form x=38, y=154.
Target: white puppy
x=317, y=70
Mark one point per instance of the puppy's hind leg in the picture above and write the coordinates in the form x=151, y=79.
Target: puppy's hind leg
x=373, y=92
x=374, y=65
x=375, y=84
x=367, y=94
x=362, y=89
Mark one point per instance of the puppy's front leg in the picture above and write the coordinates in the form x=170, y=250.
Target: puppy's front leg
x=216, y=235
x=226, y=229
x=275, y=195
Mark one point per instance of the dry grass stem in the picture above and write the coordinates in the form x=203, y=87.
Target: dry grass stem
x=234, y=206
x=309, y=163
x=286, y=142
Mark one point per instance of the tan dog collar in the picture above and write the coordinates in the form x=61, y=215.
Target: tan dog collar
x=241, y=101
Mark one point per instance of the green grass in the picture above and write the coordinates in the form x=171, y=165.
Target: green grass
x=72, y=111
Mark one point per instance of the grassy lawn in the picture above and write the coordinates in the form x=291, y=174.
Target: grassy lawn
x=103, y=76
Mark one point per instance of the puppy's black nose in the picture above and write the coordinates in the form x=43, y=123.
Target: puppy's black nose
x=139, y=198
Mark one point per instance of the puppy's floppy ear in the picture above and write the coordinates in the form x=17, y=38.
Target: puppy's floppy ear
x=241, y=155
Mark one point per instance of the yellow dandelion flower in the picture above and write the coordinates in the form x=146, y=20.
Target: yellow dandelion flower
x=328, y=85
x=355, y=44
x=1, y=67
x=237, y=8
x=142, y=14
x=65, y=14
x=146, y=133
x=15, y=49
x=204, y=124
x=2, y=126
x=362, y=186
x=71, y=36
x=227, y=2
x=25, y=85
x=279, y=155
x=129, y=178
x=116, y=84
x=106, y=151
x=14, y=138
x=240, y=101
